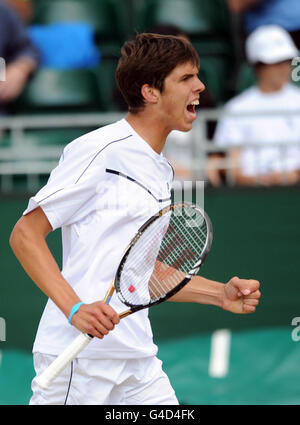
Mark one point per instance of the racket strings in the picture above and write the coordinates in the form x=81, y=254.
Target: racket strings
x=162, y=256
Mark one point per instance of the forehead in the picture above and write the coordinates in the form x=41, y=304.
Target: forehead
x=186, y=68
x=275, y=66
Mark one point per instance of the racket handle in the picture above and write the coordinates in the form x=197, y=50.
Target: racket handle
x=61, y=362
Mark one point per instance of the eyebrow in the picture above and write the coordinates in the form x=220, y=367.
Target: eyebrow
x=189, y=75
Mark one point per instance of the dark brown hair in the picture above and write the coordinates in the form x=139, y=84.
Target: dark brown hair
x=149, y=59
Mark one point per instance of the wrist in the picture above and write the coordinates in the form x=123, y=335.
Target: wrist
x=74, y=310
x=211, y=292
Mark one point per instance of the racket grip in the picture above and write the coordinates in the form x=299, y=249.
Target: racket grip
x=61, y=362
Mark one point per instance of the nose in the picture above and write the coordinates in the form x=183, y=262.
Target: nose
x=200, y=87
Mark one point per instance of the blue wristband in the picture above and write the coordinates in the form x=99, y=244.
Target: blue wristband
x=74, y=310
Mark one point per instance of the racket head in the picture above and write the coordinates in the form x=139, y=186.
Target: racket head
x=166, y=252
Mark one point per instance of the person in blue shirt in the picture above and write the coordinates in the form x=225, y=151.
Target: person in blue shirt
x=20, y=56
x=256, y=13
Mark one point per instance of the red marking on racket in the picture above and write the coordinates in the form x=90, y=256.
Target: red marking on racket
x=131, y=288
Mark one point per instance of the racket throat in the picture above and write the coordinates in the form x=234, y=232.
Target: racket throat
x=109, y=294
x=125, y=313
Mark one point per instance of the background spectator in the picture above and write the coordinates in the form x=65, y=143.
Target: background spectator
x=19, y=53
x=256, y=13
x=270, y=50
x=23, y=7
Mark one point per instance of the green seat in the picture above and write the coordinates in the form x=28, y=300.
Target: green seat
x=246, y=78
x=101, y=14
x=5, y=139
x=53, y=136
x=57, y=90
x=210, y=46
x=214, y=73
x=105, y=73
x=296, y=83
x=195, y=17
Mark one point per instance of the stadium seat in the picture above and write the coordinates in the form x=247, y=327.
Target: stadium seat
x=107, y=83
x=58, y=90
x=296, y=83
x=102, y=14
x=5, y=139
x=214, y=73
x=246, y=78
x=195, y=17
x=209, y=46
x=53, y=136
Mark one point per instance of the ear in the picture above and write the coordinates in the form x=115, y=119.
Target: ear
x=150, y=94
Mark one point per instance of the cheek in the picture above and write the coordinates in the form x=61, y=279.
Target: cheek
x=282, y=72
x=288, y=73
x=172, y=106
x=173, y=97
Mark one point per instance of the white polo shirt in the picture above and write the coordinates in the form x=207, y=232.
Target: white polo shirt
x=263, y=129
x=107, y=184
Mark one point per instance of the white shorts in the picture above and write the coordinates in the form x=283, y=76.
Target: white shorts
x=105, y=382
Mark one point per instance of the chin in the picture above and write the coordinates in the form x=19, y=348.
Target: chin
x=185, y=128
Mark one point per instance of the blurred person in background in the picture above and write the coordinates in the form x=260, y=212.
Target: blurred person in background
x=269, y=50
x=256, y=13
x=20, y=55
x=23, y=7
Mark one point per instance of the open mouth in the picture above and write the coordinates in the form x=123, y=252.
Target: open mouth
x=191, y=107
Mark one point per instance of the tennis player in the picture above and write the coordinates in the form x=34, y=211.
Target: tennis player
x=106, y=185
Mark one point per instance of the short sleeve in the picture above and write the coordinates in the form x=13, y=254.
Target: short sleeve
x=72, y=185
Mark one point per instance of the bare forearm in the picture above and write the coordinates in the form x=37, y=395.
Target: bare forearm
x=239, y=296
x=245, y=180
x=28, y=242
x=201, y=290
x=26, y=65
x=34, y=255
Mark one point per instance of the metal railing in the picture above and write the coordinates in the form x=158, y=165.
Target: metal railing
x=33, y=160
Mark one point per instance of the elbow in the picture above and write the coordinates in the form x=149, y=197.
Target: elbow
x=18, y=237
x=29, y=231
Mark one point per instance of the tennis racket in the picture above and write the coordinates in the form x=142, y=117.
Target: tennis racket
x=166, y=252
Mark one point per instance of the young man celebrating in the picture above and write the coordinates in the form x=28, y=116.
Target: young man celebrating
x=99, y=209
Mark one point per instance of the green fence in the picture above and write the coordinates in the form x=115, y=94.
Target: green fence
x=256, y=235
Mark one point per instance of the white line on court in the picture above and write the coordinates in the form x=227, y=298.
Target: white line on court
x=220, y=353
x=0, y=357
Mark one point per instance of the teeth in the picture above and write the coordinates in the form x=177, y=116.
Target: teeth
x=196, y=102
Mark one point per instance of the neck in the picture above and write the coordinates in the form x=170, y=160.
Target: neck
x=147, y=126
x=269, y=87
